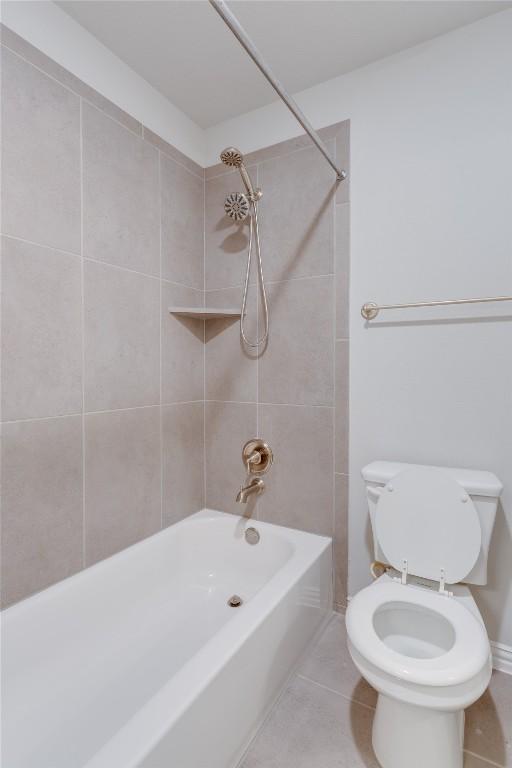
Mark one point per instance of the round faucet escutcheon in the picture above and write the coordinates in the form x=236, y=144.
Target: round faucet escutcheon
x=257, y=456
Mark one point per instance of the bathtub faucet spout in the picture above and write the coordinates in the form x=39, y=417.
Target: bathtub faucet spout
x=255, y=485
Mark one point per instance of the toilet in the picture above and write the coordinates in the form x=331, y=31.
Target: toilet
x=416, y=634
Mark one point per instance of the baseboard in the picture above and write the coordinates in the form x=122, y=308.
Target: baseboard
x=502, y=657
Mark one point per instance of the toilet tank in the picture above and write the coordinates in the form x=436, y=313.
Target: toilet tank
x=484, y=488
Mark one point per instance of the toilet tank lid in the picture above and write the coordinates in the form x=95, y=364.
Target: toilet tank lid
x=476, y=483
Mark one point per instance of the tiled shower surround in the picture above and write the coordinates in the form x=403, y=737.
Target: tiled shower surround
x=294, y=393
x=117, y=417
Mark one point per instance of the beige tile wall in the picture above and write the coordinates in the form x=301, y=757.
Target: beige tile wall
x=102, y=390
x=294, y=393
x=117, y=417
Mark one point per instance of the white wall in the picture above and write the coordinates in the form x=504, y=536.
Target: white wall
x=431, y=217
x=50, y=29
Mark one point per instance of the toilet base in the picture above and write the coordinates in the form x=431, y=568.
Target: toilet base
x=405, y=735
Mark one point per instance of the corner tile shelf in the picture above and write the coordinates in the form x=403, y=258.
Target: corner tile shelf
x=204, y=313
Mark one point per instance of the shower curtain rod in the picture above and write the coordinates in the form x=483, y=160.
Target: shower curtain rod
x=246, y=42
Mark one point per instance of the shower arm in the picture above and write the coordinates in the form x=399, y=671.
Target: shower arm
x=246, y=42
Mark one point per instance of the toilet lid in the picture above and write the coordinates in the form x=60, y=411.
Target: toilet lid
x=426, y=517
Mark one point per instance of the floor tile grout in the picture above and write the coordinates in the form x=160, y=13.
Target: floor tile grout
x=332, y=690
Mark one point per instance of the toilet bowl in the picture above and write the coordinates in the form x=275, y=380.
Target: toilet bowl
x=415, y=634
x=429, y=658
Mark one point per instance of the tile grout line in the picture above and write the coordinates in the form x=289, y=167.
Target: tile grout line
x=124, y=269
x=337, y=693
x=100, y=412
x=204, y=344
x=110, y=264
x=82, y=276
x=167, y=405
x=143, y=274
x=167, y=155
x=334, y=390
x=273, y=282
x=253, y=402
x=99, y=109
x=42, y=245
x=99, y=261
x=44, y=418
x=160, y=336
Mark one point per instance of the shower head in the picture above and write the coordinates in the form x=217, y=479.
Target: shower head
x=236, y=206
x=234, y=159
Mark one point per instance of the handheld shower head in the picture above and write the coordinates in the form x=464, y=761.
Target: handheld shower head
x=234, y=159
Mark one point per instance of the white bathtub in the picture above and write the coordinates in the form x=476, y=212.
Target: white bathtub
x=138, y=662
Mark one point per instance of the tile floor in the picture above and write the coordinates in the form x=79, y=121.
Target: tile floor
x=324, y=718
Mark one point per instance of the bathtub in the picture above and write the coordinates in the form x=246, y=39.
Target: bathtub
x=139, y=662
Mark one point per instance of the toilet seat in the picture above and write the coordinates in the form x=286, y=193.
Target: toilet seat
x=466, y=658
x=427, y=525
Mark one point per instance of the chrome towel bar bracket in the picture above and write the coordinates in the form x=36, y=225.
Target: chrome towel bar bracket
x=370, y=310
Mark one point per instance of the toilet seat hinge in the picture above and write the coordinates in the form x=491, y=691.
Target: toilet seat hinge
x=403, y=577
x=442, y=585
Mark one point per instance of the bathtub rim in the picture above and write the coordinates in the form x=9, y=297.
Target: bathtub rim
x=106, y=563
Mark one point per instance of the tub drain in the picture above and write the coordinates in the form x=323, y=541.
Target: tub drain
x=235, y=601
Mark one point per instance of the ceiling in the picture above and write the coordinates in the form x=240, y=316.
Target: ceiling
x=184, y=49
